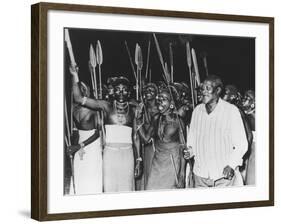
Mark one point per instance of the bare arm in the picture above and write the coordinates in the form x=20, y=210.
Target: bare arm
x=78, y=98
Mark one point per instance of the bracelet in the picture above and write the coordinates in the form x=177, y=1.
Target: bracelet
x=82, y=145
x=139, y=159
x=84, y=100
x=76, y=78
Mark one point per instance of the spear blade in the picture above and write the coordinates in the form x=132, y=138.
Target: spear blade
x=188, y=54
x=69, y=47
x=197, y=76
x=99, y=53
x=92, y=57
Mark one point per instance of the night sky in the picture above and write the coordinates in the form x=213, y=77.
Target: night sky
x=231, y=58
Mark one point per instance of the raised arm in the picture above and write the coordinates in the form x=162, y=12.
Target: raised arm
x=86, y=101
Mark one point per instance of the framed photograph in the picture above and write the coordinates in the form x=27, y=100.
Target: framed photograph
x=138, y=111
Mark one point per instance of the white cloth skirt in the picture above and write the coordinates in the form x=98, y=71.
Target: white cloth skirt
x=88, y=166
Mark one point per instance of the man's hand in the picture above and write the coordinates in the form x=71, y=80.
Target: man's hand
x=228, y=172
x=187, y=152
x=138, y=170
x=71, y=150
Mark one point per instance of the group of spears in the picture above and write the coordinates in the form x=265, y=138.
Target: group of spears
x=124, y=137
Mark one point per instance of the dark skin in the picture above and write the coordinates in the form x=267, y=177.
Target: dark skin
x=84, y=119
x=211, y=93
x=150, y=102
x=248, y=106
x=124, y=115
x=170, y=132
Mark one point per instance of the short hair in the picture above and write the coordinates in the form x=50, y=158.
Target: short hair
x=216, y=80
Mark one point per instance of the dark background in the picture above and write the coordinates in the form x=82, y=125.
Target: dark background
x=231, y=58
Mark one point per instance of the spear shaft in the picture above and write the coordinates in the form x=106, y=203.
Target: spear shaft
x=131, y=61
x=189, y=63
x=147, y=60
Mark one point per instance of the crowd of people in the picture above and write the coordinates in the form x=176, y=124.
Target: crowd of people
x=162, y=138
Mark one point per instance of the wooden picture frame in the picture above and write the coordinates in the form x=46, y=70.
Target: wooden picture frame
x=40, y=102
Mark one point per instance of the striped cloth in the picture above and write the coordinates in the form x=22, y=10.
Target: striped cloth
x=217, y=139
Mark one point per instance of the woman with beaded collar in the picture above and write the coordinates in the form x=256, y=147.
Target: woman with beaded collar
x=121, y=158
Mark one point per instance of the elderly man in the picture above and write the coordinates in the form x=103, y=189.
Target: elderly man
x=216, y=138
x=121, y=152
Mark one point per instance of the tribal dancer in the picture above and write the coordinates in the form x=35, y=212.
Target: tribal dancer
x=167, y=169
x=87, y=165
x=248, y=104
x=216, y=139
x=150, y=92
x=121, y=152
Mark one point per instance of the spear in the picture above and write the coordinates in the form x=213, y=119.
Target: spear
x=93, y=64
x=189, y=63
x=197, y=76
x=205, y=63
x=131, y=61
x=196, y=70
x=139, y=63
x=69, y=47
x=66, y=121
x=171, y=62
x=74, y=65
x=150, y=75
x=160, y=57
x=99, y=62
x=147, y=60
x=68, y=143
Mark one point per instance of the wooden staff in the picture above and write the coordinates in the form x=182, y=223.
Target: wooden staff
x=171, y=62
x=189, y=63
x=93, y=64
x=99, y=62
x=149, y=76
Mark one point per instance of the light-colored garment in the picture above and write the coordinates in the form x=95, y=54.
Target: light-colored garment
x=217, y=139
x=118, y=159
x=118, y=134
x=251, y=165
x=118, y=169
x=207, y=182
x=87, y=166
